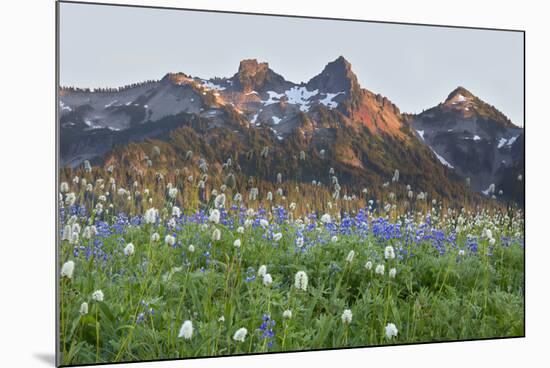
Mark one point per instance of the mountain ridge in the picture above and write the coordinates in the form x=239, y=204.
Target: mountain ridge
x=362, y=134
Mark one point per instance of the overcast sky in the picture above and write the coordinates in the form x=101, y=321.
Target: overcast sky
x=414, y=66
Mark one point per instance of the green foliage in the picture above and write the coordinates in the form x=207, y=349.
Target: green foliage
x=433, y=297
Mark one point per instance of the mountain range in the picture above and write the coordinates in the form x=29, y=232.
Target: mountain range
x=267, y=125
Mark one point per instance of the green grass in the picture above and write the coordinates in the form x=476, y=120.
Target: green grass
x=433, y=297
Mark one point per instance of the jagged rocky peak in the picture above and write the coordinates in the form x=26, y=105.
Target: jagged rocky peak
x=257, y=76
x=252, y=68
x=337, y=76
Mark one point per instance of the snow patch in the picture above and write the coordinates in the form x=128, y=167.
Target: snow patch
x=328, y=102
x=300, y=96
x=253, y=120
x=274, y=97
x=489, y=190
x=64, y=107
x=512, y=140
x=276, y=120
x=111, y=103
x=210, y=85
x=442, y=160
x=421, y=133
x=506, y=142
x=476, y=138
x=91, y=125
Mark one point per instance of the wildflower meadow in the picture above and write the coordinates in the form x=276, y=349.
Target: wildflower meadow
x=162, y=267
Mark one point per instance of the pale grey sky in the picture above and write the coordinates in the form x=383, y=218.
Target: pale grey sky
x=414, y=66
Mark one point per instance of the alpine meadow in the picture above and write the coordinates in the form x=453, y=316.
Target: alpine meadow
x=202, y=217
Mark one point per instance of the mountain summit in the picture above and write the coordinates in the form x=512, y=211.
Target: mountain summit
x=478, y=141
x=257, y=76
x=336, y=77
x=459, y=94
x=465, y=102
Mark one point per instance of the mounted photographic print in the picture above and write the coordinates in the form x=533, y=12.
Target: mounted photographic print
x=234, y=183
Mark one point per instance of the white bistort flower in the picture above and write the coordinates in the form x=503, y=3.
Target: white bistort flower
x=300, y=280
x=170, y=240
x=64, y=187
x=67, y=233
x=389, y=252
x=391, y=330
x=240, y=334
x=186, y=330
x=264, y=223
x=267, y=280
x=346, y=316
x=216, y=235
x=287, y=314
x=219, y=201
x=262, y=271
x=277, y=236
x=67, y=269
x=173, y=193
x=350, y=256
x=214, y=216
x=70, y=199
x=150, y=216
x=392, y=273
x=334, y=239
x=240, y=230
x=237, y=243
x=191, y=248
x=155, y=237
x=326, y=218
x=300, y=242
x=129, y=249
x=89, y=232
x=379, y=269
x=176, y=212
x=83, y=309
x=368, y=265
x=98, y=296
x=76, y=228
